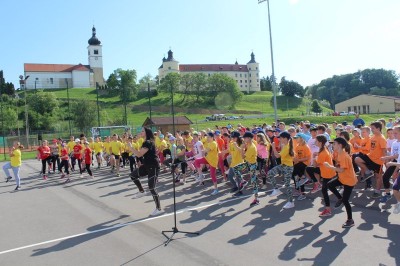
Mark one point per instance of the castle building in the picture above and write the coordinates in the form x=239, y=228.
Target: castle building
x=54, y=76
x=246, y=76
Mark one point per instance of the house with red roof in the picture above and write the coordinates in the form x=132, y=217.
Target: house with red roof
x=54, y=76
x=246, y=75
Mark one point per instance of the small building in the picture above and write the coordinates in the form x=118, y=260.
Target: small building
x=164, y=124
x=369, y=104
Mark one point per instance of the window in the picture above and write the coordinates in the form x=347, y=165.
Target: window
x=240, y=75
x=245, y=81
x=241, y=86
x=245, y=75
x=169, y=68
x=256, y=68
x=51, y=81
x=349, y=109
x=246, y=86
x=249, y=75
x=236, y=75
x=257, y=74
x=96, y=51
x=249, y=81
x=240, y=81
x=249, y=68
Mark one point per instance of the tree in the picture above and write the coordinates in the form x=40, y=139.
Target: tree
x=6, y=87
x=199, y=86
x=9, y=118
x=186, y=86
x=315, y=107
x=222, y=83
x=170, y=82
x=291, y=88
x=84, y=114
x=266, y=84
x=145, y=80
x=43, y=110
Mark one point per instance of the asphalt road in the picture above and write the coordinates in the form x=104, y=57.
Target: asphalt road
x=104, y=221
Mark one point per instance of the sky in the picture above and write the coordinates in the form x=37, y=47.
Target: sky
x=312, y=39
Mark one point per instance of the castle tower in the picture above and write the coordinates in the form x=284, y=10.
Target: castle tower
x=254, y=72
x=170, y=65
x=95, y=55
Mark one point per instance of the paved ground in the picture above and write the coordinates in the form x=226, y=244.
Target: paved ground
x=105, y=222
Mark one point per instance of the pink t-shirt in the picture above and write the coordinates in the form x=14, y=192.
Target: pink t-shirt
x=262, y=151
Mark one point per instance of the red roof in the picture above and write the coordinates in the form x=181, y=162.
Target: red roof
x=213, y=67
x=54, y=68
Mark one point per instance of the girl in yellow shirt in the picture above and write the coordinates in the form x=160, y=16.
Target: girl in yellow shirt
x=249, y=153
x=14, y=164
x=285, y=168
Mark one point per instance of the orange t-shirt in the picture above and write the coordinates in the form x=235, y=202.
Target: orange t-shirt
x=301, y=152
x=378, y=145
x=323, y=157
x=357, y=141
x=365, y=145
x=348, y=176
x=221, y=143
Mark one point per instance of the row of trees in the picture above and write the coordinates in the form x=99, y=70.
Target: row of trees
x=285, y=87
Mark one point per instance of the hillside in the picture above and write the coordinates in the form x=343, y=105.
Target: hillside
x=253, y=105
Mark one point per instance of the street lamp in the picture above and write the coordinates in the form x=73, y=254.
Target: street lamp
x=69, y=110
x=22, y=82
x=172, y=110
x=98, y=110
x=37, y=112
x=2, y=119
x=148, y=93
x=272, y=60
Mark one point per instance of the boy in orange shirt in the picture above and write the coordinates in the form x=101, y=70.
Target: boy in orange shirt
x=372, y=161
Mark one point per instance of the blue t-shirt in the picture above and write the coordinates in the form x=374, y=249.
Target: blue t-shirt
x=358, y=121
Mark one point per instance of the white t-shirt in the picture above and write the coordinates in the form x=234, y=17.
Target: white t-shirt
x=395, y=148
x=312, y=144
x=389, y=143
x=198, y=150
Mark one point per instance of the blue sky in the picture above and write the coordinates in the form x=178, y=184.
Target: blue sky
x=312, y=39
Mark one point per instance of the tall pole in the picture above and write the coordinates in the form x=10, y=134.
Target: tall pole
x=2, y=119
x=69, y=109
x=148, y=92
x=37, y=112
x=173, y=111
x=98, y=110
x=23, y=85
x=274, y=89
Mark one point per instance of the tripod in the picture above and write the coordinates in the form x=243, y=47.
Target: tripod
x=175, y=228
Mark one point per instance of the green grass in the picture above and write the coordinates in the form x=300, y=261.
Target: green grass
x=26, y=155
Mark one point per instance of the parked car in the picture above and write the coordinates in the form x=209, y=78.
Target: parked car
x=216, y=117
x=352, y=113
x=232, y=117
x=343, y=113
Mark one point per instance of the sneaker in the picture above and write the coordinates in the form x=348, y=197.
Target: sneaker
x=182, y=182
x=301, y=197
x=118, y=175
x=396, y=209
x=81, y=176
x=296, y=193
x=301, y=182
x=235, y=189
x=242, y=185
x=156, y=212
x=325, y=213
x=367, y=187
x=317, y=187
x=227, y=172
x=338, y=203
x=238, y=194
x=254, y=202
x=368, y=175
x=67, y=181
x=275, y=192
x=45, y=177
x=201, y=179
x=17, y=188
x=385, y=198
x=215, y=192
x=8, y=179
x=376, y=195
x=264, y=186
x=348, y=224
x=289, y=205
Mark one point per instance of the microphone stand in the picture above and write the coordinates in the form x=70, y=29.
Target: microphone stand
x=175, y=228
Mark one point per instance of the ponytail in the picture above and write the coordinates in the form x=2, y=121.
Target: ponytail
x=291, y=153
x=347, y=148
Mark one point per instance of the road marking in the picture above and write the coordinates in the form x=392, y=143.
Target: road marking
x=125, y=224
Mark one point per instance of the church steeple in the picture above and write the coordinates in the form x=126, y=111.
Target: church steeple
x=170, y=56
x=253, y=59
x=94, y=40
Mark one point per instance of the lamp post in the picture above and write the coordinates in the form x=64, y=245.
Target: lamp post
x=272, y=60
x=69, y=110
x=148, y=92
x=172, y=110
x=22, y=82
x=98, y=110
x=37, y=112
x=2, y=119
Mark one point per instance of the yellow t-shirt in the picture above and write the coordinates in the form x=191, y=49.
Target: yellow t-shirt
x=140, y=142
x=71, y=145
x=250, y=155
x=212, y=154
x=162, y=145
x=236, y=155
x=106, y=146
x=91, y=145
x=135, y=146
x=116, y=147
x=203, y=140
x=286, y=159
x=16, y=159
x=188, y=143
x=98, y=147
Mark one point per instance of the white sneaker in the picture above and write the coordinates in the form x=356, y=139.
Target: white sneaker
x=227, y=172
x=200, y=179
x=156, y=212
x=275, y=192
x=396, y=209
x=289, y=205
x=215, y=192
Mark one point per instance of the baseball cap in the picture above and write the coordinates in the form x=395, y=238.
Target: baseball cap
x=217, y=132
x=172, y=138
x=301, y=135
x=248, y=134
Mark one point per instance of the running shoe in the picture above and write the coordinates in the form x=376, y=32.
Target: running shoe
x=238, y=194
x=8, y=179
x=385, y=198
x=67, y=181
x=201, y=179
x=325, y=213
x=367, y=186
x=17, y=188
x=62, y=176
x=156, y=212
x=301, y=197
x=215, y=192
x=44, y=177
x=376, y=195
x=254, y=202
x=235, y=189
x=338, y=203
x=296, y=193
x=301, y=182
x=396, y=209
x=368, y=175
x=289, y=205
x=275, y=192
x=182, y=182
x=317, y=187
x=348, y=224
x=242, y=185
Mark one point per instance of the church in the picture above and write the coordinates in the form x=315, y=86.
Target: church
x=246, y=76
x=55, y=76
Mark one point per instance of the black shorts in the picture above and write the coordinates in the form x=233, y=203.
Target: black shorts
x=116, y=156
x=369, y=163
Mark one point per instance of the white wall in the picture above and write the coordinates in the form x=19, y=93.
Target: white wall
x=47, y=80
x=80, y=79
